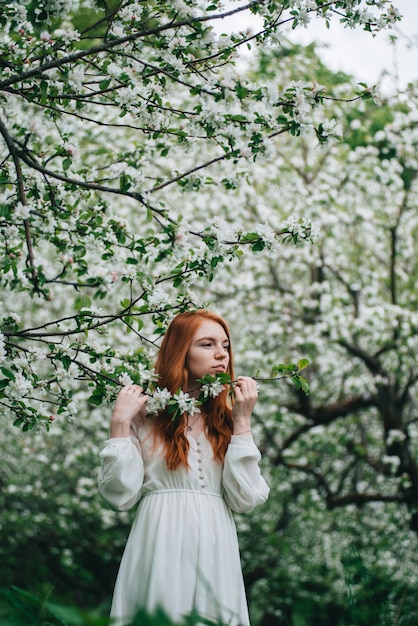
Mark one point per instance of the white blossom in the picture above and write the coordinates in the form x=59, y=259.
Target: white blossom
x=186, y=403
x=159, y=298
x=331, y=128
x=19, y=387
x=158, y=400
x=22, y=211
x=124, y=379
x=395, y=436
x=268, y=235
x=221, y=229
x=2, y=348
x=76, y=77
x=211, y=390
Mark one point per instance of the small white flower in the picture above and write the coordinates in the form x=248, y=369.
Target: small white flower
x=158, y=400
x=66, y=35
x=303, y=17
x=211, y=390
x=186, y=403
x=72, y=407
x=76, y=77
x=2, y=348
x=330, y=128
x=221, y=229
x=16, y=317
x=22, y=211
x=129, y=272
x=114, y=70
x=19, y=387
x=158, y=298
x=124, y=379
x=146, y=375
x=267, y=234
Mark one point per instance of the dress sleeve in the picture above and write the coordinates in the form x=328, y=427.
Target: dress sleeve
x=121, y=473
x=244, y=487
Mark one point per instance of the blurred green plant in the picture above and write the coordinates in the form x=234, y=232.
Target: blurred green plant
x=21, y=608
x=374, y=598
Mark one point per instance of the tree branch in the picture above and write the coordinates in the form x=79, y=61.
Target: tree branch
x=359, y=499
x=22, y=197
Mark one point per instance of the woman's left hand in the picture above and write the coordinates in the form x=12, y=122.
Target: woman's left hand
x=245, y=397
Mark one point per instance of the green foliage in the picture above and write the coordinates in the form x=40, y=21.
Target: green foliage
x=21, y=608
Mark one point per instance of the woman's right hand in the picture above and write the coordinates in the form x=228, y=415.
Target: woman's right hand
x=130, y=403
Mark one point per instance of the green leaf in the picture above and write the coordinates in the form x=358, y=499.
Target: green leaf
x=82, y=302
x=8, y=373
x=304, y=385
x=281, y=368
x=44, y=91
x=104, y=84
x=124, y=182
x=66, y=361
x=96, y=399
x=66, y=164
x=222, y=377
x=250, y=237
x=258, y=246
x=302, y=363
x=242, y=91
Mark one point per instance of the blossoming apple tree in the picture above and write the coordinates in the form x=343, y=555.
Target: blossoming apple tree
x=103, y=120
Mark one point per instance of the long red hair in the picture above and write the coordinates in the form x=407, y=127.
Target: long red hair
x=172, y=374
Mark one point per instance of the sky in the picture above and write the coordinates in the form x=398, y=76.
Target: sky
x=358, y=53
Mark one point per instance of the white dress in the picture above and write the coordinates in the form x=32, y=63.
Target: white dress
x=182, y=552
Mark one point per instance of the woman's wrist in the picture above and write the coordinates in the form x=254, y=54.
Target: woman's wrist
x=242, y=427
x=244, y=433
x=119, y=429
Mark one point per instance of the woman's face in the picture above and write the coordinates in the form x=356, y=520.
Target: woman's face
x=208, y=352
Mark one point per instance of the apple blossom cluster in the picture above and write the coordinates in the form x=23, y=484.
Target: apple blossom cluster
x=212, y=389
x=182, y=402
x=301, y=228
x=293, y=229
x=158, y=400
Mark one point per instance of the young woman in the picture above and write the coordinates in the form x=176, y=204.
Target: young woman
x=188, y=474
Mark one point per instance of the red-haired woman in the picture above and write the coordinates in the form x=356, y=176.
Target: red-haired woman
x=188, y=474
